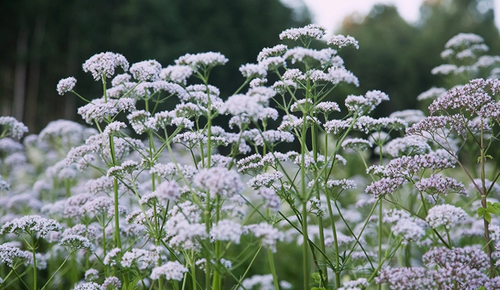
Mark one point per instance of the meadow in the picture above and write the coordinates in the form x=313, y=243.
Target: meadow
x=300, y=188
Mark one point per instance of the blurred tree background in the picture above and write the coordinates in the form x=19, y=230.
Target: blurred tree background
x=43, y=41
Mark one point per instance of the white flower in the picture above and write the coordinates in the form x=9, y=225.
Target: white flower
x=207, y=59
x=309, y=31
x=176, y=73
x=15, y=128
x=226, y=230
x=445, y=215
x=219, y=181
x=66, y=85
x=147, y=70
x=104, y=64
x=171, y=271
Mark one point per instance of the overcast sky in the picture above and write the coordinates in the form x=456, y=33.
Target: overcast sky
x=330, y=13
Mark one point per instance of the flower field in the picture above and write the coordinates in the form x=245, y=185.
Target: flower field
x=284, y=184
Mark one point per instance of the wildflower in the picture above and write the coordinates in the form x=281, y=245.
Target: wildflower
x=104, y=64
x=445, y=215
x=272, y=200
x=416, y=278
x=341, y=75
x=9, y=253
x=147, y=70
x=463, y=40
x=366, y=104
x=336, y=126
x=257, y=82
x=176, y=73
x=111, y=256
x=226, y=230
x=326, y=107
x=15, y=128
x=164, y=170
x=98, y=110
x=243, y=105
x=167, y=190
x=171, y=271
x=432, y=93
x=183, y=228
x=268, y=233
x=219, y=181
x=265, y=179
x=113, y=282
x=311, y=31
x=253, y=70
x=436, y=183
x=410, y=228
x=140, y=258
x=301, y=54
x=341, y=41
x=356, y=144
x=66, y=85
x=91, y=275
x=102, y=184
x=120, y=79
x=385, y=186
x=345, y=184
x=202, y=60
x=273, y=63
x=267, y=52
x=88, y=286
x=31, y=225
x=353, y=285
x=75, y=242
x=409, y=145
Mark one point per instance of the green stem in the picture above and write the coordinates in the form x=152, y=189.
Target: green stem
x=270, y=257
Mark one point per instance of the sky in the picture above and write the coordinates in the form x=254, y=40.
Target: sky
x=330, y=13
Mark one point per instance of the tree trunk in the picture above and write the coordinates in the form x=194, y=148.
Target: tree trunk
x=31, y=119
x=20, y=74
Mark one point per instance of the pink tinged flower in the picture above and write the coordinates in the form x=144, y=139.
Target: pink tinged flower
x=98, y=110
x=104, y=64
x=272, y=200
x=251, y=70
x=219, y=181
x=445, y=215
x=120, y=79
x=463, y=40
x=140, y=258
x=341, y=41
x=112, y=282
x=436, y=183
x=14, y=128
x=432, y=93
x=269, y=235
x=66, y=85
x=147, y=70
x=311, y=31
x=75, y=242
x=226, y=230
x=176, y=73
x=167, y=191
x=202, y=60
x=88, y=286
x=171, y=271
x=385, y=186
x=31, y=225
x=267, y=52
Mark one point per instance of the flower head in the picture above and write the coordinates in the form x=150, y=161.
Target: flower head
x=104, y=64
x=66, y=85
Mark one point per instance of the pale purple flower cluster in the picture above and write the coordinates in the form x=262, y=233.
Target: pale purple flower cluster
x=15, y=128
x=311, y=31
x=144, y=71
x=66, y=85
x=341, y=41
x=103, y=65
x=202, y=60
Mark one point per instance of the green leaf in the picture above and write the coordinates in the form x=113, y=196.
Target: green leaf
x=481, y=288
x=481, y=211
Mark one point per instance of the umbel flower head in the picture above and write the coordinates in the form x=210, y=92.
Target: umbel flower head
x=104, y=64
x=31, y=225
